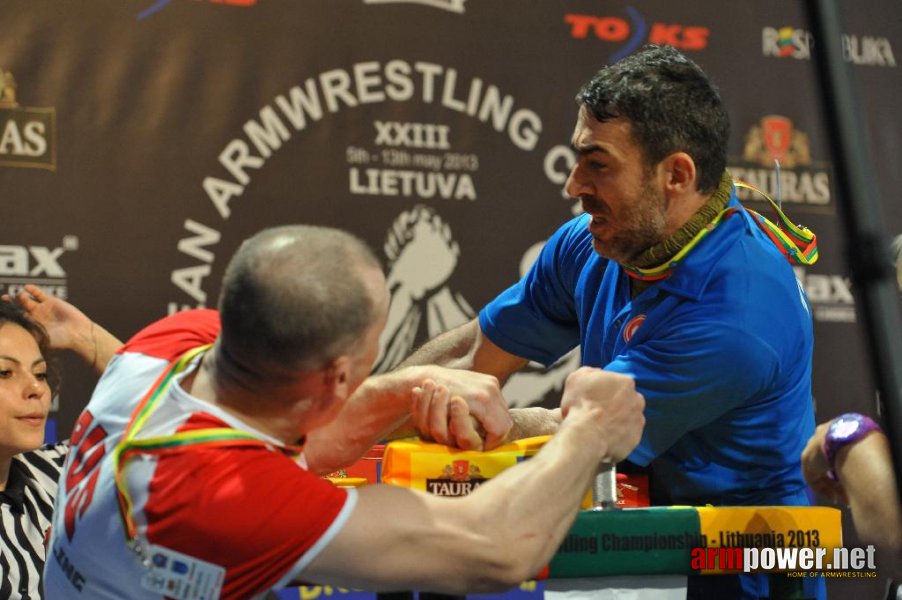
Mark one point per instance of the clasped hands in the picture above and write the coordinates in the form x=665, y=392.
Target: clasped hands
x=460, y=408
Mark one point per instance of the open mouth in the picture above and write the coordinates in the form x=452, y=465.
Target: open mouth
x=596, y=224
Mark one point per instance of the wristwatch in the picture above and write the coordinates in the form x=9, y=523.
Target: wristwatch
x=844, y=430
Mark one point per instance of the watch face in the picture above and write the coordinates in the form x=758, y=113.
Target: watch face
x=843, y=429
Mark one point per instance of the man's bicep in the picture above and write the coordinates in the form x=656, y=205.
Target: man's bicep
x=692, y=377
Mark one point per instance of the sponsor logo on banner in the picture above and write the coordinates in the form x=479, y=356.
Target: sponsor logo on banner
x=455, y=6
x=27, y=134
x=159, y=5
x=799, y=180
x=830, y=296
x=634, y=30
x=790, y=42
x=39, y=265
x=457, y=479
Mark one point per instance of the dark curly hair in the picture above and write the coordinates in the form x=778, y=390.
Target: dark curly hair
x=671, y=104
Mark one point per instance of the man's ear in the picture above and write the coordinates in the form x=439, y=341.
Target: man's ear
x=679, y=173
x=336, y=375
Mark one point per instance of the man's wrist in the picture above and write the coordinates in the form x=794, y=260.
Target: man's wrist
x=532, y=421
x=83, y=343
x=586, y=428
x=844, y=431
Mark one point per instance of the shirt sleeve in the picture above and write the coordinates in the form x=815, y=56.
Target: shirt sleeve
x=693, y=375
x=174, y=335
x=536, y=318
x=252, y=511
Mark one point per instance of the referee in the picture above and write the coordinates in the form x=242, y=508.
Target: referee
x=29, y=470
x=26, y=505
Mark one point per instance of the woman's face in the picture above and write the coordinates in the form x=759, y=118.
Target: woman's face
x=24, y=391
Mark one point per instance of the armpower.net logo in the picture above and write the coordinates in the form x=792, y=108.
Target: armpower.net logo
x=796, y=562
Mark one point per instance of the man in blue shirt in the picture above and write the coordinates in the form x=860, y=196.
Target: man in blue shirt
x=668, y=279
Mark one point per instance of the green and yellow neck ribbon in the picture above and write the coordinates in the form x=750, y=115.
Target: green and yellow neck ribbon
x=131, y=446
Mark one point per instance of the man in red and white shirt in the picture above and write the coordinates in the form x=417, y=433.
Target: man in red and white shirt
x=217, y=448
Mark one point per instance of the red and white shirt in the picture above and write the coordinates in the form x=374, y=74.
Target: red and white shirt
x=229, y=522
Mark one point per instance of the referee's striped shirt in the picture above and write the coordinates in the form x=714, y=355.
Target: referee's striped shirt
x=26, y=507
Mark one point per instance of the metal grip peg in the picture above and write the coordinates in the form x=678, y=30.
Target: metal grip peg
x=604, y=493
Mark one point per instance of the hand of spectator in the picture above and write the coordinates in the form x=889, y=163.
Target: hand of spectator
x=815, y=467
x=460, y=408
x=611, y=400
x=67, y=327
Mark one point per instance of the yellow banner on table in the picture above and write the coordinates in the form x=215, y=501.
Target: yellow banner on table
x=446, y=471
x=769, y=527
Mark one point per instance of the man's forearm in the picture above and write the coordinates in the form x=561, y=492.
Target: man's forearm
x=453, y=349
x=865, y=471
x=543, y=497
x=378, y=407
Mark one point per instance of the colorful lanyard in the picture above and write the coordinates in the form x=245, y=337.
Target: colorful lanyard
x=130, y=446
x=797, y=243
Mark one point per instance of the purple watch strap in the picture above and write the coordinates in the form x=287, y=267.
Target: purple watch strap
x=844, y=430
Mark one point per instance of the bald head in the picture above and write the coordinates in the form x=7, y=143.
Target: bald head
x=296, y=297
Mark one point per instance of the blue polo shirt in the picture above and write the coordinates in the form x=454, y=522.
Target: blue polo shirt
x=721, y=350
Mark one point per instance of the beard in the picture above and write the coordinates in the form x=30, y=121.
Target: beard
x=638, y=228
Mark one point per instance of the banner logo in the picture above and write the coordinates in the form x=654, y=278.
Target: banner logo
x=864, y=50
x=408, y=149
x=27, y=134
x=799, y=179
x=39, y=265
x=634, y=31
x=419, y=158
x=775, y=138
x=830, y=296
x=798, y=562
x=457, y=479
x=455, y=6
